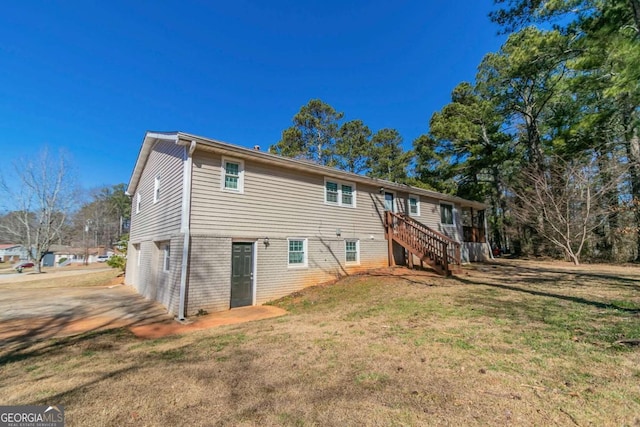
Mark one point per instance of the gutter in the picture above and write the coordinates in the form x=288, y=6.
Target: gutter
x=184, y=226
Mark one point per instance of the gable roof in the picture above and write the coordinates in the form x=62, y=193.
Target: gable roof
x=208, y=144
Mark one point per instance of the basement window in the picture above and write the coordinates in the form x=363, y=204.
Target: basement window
x=352, y=251
x=297, y=252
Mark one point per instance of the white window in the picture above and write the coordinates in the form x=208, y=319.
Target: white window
x=413, y=205
x=446, y=214
x=352, y=251
x=331, y=193
x=232, y=175
x=347, y=194
x=156, y=189
x=138, y=202
x=339, y=193
x=166, y=258
x=297, y=252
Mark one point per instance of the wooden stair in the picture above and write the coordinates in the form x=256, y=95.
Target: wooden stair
x=434, y=248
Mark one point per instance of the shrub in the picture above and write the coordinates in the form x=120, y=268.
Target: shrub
x=117, y=261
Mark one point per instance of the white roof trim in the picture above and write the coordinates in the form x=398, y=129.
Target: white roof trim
x=149, y=140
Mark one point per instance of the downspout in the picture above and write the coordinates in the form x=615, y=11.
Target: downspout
x=184, y=226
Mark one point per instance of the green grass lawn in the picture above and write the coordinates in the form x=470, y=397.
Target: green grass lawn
x=510, y=344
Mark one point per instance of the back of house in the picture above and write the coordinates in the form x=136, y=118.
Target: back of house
x=216, y=226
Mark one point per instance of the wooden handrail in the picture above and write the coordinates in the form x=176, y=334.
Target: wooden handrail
x=423, y=241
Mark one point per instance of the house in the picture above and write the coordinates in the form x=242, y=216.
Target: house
x=63, y=255
x=216, y=226
x=12, y=252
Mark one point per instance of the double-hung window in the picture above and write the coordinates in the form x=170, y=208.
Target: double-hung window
x=339, y=193
x=446, y=214
x=347, y=195
x=232, y=175
x=413, y=207
x=138, y=202
x=297, y=252
x=352, y=251
x=331, y=195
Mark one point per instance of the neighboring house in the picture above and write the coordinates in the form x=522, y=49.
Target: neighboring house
x=216, y=226
x=13, y=253
x=64, y=255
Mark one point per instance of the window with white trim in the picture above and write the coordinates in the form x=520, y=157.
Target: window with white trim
x=413, y=205
x=166, y=257
x=297, y=252
x=339, y=193
x=232, y=175
x=446, y=214
x=156, y=189
x=138, y=202
x=352, y=251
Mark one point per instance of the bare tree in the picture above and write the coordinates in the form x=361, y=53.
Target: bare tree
x=564, y=203
x=37, y=203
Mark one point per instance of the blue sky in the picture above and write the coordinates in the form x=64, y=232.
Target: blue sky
x=91, y=77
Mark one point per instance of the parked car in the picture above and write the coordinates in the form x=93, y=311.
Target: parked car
x=103, y=258
x=19, y=267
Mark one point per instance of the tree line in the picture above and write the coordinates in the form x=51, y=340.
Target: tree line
x=547, y=134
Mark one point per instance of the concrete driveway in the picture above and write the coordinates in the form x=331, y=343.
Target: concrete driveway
x=27, y=314
x=30, y=313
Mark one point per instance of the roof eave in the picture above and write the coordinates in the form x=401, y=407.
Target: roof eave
x=276, y=160
x=149, y=140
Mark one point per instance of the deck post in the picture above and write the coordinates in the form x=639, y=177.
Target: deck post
x=389, y=227
x=445, y=251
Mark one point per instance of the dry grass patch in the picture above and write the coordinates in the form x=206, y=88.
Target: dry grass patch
x=507, y=346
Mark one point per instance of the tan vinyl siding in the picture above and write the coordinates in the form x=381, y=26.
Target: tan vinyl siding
x=159, y=220
x=277, y=203
x=430, y=213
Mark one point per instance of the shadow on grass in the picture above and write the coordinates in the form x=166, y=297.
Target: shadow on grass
x=551, y=274
x=94, y=317
x=570, y=298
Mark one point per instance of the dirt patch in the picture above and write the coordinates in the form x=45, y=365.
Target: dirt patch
x=230, y=317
